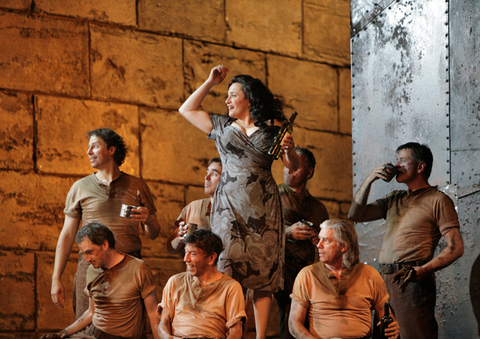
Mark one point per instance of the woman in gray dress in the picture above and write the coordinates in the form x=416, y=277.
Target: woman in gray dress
x=246, y=210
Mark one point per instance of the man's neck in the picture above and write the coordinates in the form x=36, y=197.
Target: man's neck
x=210, y=276
x=335, y=269
x=417, y=184
x=113, y=258
x=107, y=175
x=300, y=190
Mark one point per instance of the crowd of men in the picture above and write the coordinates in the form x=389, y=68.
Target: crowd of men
x=328, y=293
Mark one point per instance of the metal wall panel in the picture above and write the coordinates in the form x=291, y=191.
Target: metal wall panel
x=401, y=71
x=399, y=94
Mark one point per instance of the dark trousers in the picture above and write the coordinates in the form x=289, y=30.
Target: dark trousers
x=414, y=308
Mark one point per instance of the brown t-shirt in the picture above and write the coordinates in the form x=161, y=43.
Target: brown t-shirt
x=415, y=223
x=197, y=212
x=118, y=294
x=92, y=201
x=208, y=311
x=339, y=308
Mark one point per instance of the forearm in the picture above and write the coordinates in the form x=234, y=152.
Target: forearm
x=448, y=255
x=195, y=100
x=235, y=332
x=151, y=227
x=82, y=322
x=174, y=244
x=299, y=331
x=359, y=204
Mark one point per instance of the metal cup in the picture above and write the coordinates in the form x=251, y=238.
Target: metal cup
x=307, y=223
x=126, y=211
x=391, y=171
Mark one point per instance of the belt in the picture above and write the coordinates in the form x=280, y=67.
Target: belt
x=395, y=267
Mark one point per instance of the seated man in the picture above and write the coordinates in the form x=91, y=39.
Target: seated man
x=198, y=211
x=120, y=287
x=202, y=302
x=338, y=293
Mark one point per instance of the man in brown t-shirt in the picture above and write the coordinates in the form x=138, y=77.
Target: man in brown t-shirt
x=416, y=219
x=99, y=197
x=121, y=290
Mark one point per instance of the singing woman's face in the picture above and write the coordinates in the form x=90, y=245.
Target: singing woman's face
x=238, y=105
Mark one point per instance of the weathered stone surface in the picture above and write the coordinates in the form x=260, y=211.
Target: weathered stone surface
x=203, y=20
x=16, y=131
x=169, y=159
x=326, y=31
x=162, y=270
x=62, y=124
x=169, y=200
x=333, y=174
x=269, y=25
x=345, y=101
x=194, y=193
x=16, y=4
x=17, y=285
x=200, y=58
x=112, y=11
x=333, y=209
x=31, y=210
x=49, y=316
x=136, y=67
x=310, y=89
x=43, y=54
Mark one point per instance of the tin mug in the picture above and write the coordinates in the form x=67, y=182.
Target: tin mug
x=391, y=171
x=126, y=211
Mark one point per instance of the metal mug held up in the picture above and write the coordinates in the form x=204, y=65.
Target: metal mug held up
x=391, y=171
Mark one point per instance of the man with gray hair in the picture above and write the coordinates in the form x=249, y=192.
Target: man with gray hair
x=120, y=287
x=338, y=293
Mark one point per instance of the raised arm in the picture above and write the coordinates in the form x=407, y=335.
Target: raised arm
x=290, y=158
x=62, y=253
x=359, y=210
x=190, y=108
x=296, y=321
x=151, y=306
x=175, y=240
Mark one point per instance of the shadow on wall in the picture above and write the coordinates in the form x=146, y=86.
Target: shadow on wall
x=475, y=290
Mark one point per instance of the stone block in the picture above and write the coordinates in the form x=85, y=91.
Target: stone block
x=17, y=290
x=345, y=101
x=194, y=193
x=202, y=20
x=49, y=316
x=16, y=4
x=333, y=173
x=162, y=270
x=269, y=25
x=31, y=210
x=200, y=58
x=136, y=67
x=43, y=54
x=308, y=88
x=122, y=12
x=177, y=151
x=326, y=31
x=62, y=124
x=333, y=208
x=16, y=131
x=169, y=200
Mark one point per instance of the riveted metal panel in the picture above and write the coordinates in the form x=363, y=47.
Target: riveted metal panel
x=400, y=93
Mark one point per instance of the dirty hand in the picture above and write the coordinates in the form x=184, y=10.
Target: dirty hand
x=407, y=273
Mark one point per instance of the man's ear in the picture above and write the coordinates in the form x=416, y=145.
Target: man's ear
x=310, y=173
x=211, y=260
x=112, y=150
x=105, y=245
x=421, y=166
x=344, y=248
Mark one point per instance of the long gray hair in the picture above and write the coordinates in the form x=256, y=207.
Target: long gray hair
x=345, y=234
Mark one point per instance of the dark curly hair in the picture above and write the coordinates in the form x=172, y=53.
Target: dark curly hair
x=263, y=105
x=111, y=138
x=206, y=240
x=97, y=233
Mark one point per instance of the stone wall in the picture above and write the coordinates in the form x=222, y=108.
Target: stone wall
x=70, y=66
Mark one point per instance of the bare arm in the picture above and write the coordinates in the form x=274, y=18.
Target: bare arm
x=62, y=253
x=190, y=108
x=84, y=320
x=151, y=306
x=359, y=210
x=447, y=256
x=393, y=329
x=174, y=241
x=235, y=332
x=296, y=321
x=149, y=221
x=290, y=158
x=165, y=327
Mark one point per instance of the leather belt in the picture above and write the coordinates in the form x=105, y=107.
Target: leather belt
x=395, y=267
